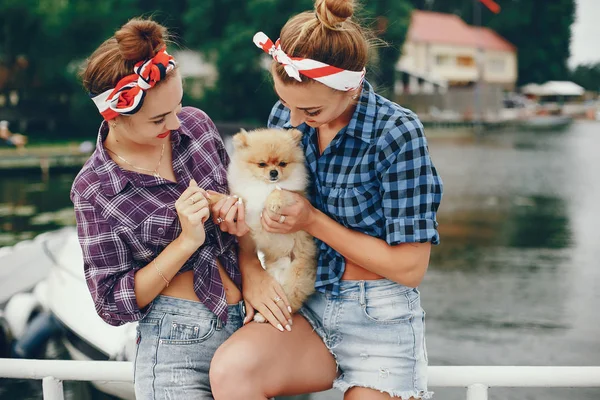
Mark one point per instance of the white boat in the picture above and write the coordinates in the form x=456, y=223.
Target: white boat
x=64, y=294
x=546, y=122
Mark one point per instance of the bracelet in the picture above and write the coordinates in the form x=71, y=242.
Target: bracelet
x=160, y=272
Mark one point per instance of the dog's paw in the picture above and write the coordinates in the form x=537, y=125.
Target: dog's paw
x=258, y=317
x=275, y=201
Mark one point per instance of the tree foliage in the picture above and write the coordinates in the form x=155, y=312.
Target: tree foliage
x=588, y=76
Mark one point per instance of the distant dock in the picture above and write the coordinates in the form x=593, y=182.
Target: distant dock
x=42, y=158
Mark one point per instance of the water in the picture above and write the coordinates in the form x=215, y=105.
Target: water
x=515, y=280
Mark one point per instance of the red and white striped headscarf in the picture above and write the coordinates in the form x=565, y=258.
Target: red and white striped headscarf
x=334, y=77
x=128, y=96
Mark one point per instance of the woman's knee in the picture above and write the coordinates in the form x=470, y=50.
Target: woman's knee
x=234, y=361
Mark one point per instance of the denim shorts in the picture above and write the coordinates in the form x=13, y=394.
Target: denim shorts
x=376, y=332
x=175, y=345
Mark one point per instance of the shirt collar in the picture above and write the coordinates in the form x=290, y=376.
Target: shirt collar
x=362, y=123
x=361, y=126
x=112, y=178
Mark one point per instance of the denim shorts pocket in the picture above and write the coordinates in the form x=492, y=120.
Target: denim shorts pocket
x=185, y=330
x=393, y=309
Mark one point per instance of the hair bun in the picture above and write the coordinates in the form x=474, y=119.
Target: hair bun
x=333, y=13
x=139, y=39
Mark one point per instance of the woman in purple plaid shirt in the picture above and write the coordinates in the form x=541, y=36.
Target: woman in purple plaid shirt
x=372, y=207
x=151, y=254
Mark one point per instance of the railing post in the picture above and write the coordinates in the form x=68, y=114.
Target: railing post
x=53, y=389
x=477, y=391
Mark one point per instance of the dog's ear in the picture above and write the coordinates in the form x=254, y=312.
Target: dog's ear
x=295, y=134
x=240, y=139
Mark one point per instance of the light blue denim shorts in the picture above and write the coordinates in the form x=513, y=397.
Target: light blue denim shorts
x=376, y=332
x=176, y=342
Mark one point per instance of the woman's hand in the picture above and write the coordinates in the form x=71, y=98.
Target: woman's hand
x=298, y=216
x=230, y=214
x=263, y=294
x=192, y=210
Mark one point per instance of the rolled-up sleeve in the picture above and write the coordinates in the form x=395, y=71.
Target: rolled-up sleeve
x=411, y=187
x=108, y=266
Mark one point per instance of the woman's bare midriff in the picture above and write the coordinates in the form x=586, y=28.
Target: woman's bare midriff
x=354, y=272
x=182, y=287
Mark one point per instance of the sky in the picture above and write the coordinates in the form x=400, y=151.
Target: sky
x=585, y=47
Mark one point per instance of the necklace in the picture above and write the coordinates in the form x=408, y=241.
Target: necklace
x=154, y=171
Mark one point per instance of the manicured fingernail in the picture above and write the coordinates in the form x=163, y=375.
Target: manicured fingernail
x=245, y=320
x=239, y=201
x=235, y=196
x=277, y=187
x=291, y=322
x=280, y=327
x=261, y=215
x=289, y=309
x=287, y=327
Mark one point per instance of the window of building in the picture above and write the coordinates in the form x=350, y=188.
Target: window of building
x=497, y=65
x=442, y=59
x=465, y=61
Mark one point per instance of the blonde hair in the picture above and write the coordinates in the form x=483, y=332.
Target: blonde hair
x=328, y=35
x=137, y=40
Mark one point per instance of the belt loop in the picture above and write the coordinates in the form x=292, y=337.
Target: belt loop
x=219, y=324
x=363, y=293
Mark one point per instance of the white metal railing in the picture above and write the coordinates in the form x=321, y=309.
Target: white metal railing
x=476, y=379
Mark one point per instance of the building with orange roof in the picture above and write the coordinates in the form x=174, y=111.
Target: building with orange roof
x=443, y=48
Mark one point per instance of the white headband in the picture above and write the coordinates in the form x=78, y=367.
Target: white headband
x=334, y=77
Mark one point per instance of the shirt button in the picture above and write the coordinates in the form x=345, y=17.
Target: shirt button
x=161, y=231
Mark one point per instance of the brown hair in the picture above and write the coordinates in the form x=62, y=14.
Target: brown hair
x=137, y=40
x=328, y=35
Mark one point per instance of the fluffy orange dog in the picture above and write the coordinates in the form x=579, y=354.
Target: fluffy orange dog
x=265, y=161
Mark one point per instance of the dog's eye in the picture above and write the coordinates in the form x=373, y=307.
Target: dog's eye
x=282, y=164
x=262, y=165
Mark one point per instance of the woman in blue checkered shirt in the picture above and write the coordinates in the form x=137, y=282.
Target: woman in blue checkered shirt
x=372, y=209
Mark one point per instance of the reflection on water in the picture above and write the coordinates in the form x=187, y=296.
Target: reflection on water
x=29, y=205
x=515, y=280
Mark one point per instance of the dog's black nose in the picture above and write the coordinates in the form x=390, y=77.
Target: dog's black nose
x=273, y=173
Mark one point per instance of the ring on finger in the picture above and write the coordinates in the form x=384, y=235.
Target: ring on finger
x=220, y=220
x=277, y=299
x=192, y=200
x=282, y=219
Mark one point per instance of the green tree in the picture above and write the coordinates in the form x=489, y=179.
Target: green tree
x=392, y=19
x=588, y=76
x=244, y=90
x=540, y=29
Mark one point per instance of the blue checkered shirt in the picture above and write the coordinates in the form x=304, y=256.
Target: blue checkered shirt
x=375, y=177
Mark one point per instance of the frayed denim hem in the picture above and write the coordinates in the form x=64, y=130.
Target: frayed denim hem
x=343, y=386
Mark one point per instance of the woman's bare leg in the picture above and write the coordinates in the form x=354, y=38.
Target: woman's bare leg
x=361, y=393
x=259, y=362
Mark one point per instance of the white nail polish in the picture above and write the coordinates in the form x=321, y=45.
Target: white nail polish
x=287, y=328
x=280, y=327
x=289, y=309
x=239, y=201
x=277, y=187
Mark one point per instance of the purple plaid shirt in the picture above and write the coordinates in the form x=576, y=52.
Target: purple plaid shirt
x=125, y=219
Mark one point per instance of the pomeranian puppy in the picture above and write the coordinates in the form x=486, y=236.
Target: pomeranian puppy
x=265, y=161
